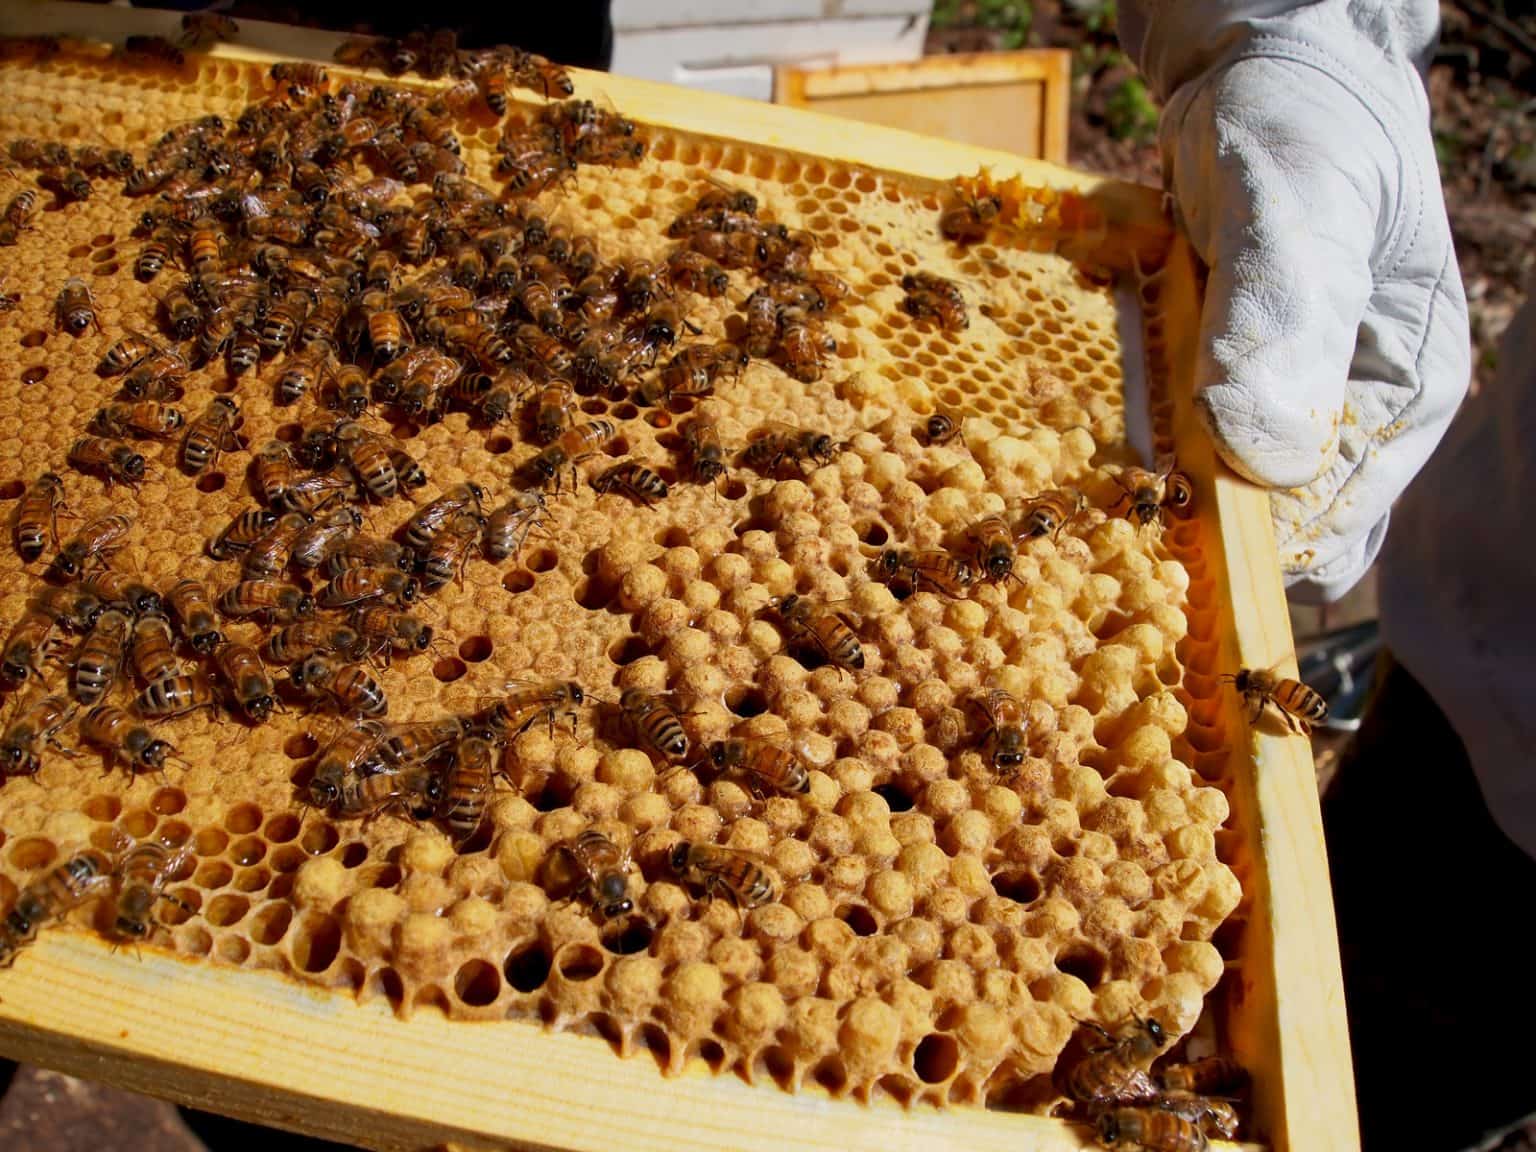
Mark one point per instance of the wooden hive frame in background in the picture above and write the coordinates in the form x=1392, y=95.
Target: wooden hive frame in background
x=262, y=1048
x=1012, y=101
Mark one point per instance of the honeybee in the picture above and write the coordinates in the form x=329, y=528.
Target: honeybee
x=27, y=645
x=412, y=744
x=348, y=687
x=370, y=552
x=317, y=542
x=1050, y=512
x=131, y=348
x=299, y=374
x=242, y=671
x=602, y=872
x=968, y=221
x=357, y=585
x=632, y=479
x=142, y=873
x=386, y=630
x=152, y=257
x=268, y=554
x=695, y=272
x=693, y=372
x=18, y=215
x=731, y=249
x=151, y=651
x=992, y=549
x=523, y=707
x=35, y=723
x=527, y=70
x=100, y=657
x=554, y=410
x=387, y=332
x=927, y=571
x=931, y=297
x=1299, y=706
x=365, y=797
x=272, y=471
x=123, y=738
x=1148, y=495
x=299, y=74
x=1148, y=1130
x=313, y=494
x=803, y=345
x=706, y=458
x=353, y=750
x=545, y=351
x=72, y=607
x=367, y=455
x=744, y=878
x=774, y=445
x=1003, y=738
x=76, y=307
x=138, y=418
x=181, y=313
x=574, y=445
x=763, y=763
x=813, y=627
x=95, y=542
x=467, y=787
x=175, y=696
x=346, y=391
x=508, y=526
x=156, y=377
x=189, y=601
x=448, y=555
x=123, y=591
x=942, y=427
x=67, y=886
x=210, y=434
x=654, y=723
x=1214, y=1117
x=1117, y=1070
x=239, y=534
x=430, y=519
x=1213, y=1074
x=36, y=524
x=266, y=599
x=110, y=459
x=69, y=185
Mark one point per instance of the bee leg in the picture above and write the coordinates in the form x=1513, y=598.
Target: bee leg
x=179, y=902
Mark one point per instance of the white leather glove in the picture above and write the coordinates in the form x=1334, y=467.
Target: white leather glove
x=1335, y=347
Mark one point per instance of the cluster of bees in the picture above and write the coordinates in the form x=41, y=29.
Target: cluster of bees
x=1178, y=1108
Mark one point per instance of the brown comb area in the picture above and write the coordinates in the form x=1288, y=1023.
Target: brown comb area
x=940, y=927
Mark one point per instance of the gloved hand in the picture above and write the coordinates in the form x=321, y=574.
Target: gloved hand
x=1335, y=347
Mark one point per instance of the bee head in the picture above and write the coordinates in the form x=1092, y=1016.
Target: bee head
x=131, y=929
x=323, y=792
x=719, y=753
x=678, y=858
x=1109, y=1128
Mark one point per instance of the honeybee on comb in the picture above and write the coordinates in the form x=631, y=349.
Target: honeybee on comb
x=1149, y=496
x=1299, y=706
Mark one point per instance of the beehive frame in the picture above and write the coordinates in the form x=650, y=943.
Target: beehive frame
x=317, y=1065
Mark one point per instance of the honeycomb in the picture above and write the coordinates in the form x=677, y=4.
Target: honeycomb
x=941, y=928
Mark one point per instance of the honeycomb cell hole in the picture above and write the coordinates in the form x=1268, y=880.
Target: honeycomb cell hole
x=527, y=969
x=936, y=1058
x=477, y=983
x=315, y=943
